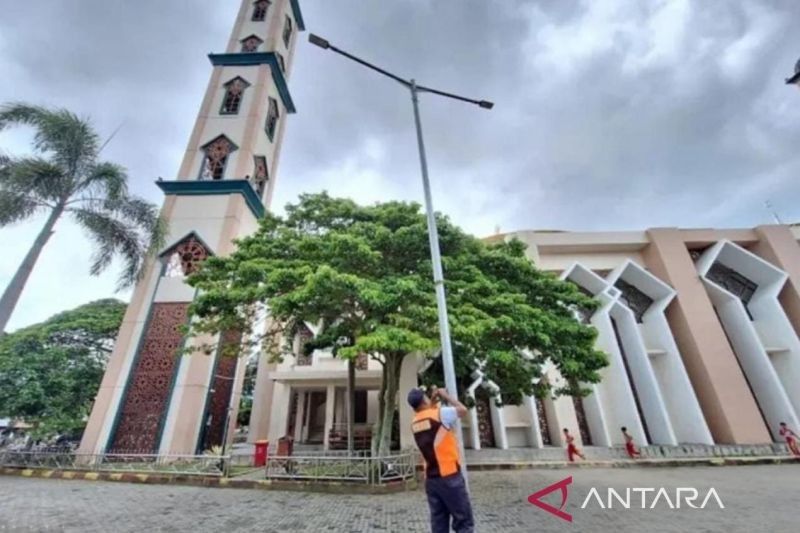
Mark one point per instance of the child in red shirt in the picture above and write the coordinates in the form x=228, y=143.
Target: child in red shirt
x=633, y=453
x=572, y=450
x=791, y=439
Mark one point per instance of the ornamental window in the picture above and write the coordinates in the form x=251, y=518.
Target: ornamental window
x=260, y=175
x=251, y=44
x=287, y=31
x=185, y=257
x=234, y=90
x=272, y=119
x=636, y=300
x=260, y=10
x=215, y=158
x=735, y=283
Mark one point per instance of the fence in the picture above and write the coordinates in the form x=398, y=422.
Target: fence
x=207, y=465
x=356, y=468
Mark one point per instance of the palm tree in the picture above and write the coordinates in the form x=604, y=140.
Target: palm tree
x=65, y=177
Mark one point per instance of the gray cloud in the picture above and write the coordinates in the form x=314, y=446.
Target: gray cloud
x=611, y=114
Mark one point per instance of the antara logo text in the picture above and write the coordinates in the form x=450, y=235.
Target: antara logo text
x=633, y=497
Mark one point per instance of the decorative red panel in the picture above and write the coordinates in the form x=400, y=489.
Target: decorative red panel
x=485, y=427
x=221, y=390
x=304, y=335
x=583, y=425
x=544, y=428
x=149, y=384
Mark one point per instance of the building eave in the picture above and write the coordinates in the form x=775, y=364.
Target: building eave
x=215, y=187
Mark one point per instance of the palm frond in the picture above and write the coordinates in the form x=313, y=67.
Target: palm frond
x=114, y=236
x=35, y=177
x=107, y=180
x=143, y=213
x=15, y=207
x=71, y=139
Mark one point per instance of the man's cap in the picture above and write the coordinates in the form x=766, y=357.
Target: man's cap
x=416, y=397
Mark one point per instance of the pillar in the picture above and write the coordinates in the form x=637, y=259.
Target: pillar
x=330, y=404
x=301, y=413
x=262, y=400
x=778, y=245
x=730, y=409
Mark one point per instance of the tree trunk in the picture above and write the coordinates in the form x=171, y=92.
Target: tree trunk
x=14, y=290
x=391, y=384
x=351, y=402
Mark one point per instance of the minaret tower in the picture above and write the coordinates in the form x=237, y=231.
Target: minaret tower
x=152, y=399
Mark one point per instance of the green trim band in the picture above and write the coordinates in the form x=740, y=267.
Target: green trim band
x=298, y=15
x=212, y=187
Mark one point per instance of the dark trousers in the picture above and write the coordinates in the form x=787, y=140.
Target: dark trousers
x=448, y=497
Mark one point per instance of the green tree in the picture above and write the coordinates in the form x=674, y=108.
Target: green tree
x=65, y=176
x=50, y=372
x=364, y=274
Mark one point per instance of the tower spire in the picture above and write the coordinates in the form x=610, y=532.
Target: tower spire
x=151, y=399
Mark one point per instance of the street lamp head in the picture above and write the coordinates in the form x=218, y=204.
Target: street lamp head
x=795, y=79
x=319, y=41
x=486, y=104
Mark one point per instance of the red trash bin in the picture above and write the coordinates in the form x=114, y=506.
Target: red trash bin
x=260, y=455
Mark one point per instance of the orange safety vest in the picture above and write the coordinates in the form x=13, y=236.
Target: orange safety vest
x=438, y=444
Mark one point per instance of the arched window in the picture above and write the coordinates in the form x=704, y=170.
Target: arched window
x=251, y=44
x=215, y=158
x=260, y=175
x=260, y=10
x=185, y=257
x=272, y=119
x=234, y=90
x=287, y=31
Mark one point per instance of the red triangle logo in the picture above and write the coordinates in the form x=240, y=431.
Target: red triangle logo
x=536, y=499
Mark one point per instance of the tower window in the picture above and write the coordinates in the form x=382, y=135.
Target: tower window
x=260, y=10
x=215, y=158
x=272, y=119
x=260, y=175
x=251, y=44
x=636, y=300
x=287, y=31
x=185, y=258
x=234, y=90
x=281, y=62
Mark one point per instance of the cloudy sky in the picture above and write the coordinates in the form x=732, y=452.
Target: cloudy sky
x=611, y=114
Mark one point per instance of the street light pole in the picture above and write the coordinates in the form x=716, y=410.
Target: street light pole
x=438, y=273
x=433, y=233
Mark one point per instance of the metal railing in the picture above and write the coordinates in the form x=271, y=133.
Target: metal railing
x=355, y=468
x=207, y=465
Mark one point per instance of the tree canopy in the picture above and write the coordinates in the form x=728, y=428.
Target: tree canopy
x=50, y=372
x=364, y=274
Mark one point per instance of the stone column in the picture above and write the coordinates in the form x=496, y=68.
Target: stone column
x=725, y=398
x=262, y=401
x=778, y=245
x=301, y=411
x=280, y=412
x=330, y=403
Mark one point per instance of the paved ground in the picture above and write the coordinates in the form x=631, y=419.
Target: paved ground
x=756, y=498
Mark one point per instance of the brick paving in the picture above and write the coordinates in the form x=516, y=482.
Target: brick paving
x=756, y=498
